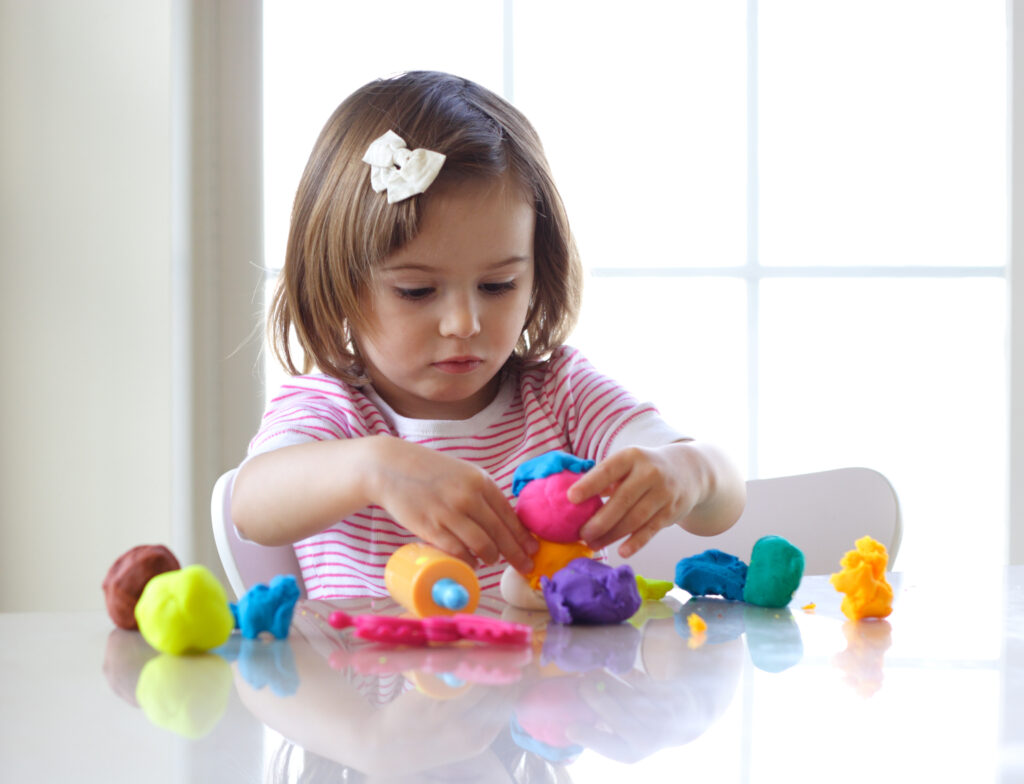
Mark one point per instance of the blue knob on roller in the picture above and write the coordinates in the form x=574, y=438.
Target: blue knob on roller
x=449, y=594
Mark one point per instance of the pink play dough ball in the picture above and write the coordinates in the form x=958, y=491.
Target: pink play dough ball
x=545, y=509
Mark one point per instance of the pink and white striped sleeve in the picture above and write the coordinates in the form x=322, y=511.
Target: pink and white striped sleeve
x=314, y=408
x=599, y=416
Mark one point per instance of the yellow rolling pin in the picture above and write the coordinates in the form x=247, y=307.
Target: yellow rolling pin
x=427, y=581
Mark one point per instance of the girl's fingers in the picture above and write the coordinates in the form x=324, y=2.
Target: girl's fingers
x=513, y=540
x=513, y=524
x=451, y=544
x=611, y=515
x=479, y=538
x=598, y=480
x=640, y=537
x=650, y=510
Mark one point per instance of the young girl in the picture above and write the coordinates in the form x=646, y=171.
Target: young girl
x=431, y=278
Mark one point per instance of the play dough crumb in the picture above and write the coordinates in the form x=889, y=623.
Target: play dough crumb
x=862, y=579
x=809, y=607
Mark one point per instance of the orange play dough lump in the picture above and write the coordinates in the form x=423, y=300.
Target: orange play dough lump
x=552, y=557
x=862, y=579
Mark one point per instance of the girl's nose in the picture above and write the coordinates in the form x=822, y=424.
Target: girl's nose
x=460, y=318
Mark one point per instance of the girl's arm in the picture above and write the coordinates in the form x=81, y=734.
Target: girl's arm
x=288, y=494
x=686, y=483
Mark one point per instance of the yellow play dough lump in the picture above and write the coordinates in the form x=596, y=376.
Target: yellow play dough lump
x=184, y=611
x=862, y=579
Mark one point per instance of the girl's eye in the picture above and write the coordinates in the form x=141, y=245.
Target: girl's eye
x=498, y=288
x=418, y=293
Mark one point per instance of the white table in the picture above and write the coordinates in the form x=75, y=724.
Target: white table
x=933, y=694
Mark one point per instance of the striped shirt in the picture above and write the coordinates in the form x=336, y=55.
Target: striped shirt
x=561, y=404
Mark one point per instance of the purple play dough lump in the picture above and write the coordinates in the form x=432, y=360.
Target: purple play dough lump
x=588, y=591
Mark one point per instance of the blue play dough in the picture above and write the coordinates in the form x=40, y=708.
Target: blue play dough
x=267, y=608
x=712, y=573
x=549, y=463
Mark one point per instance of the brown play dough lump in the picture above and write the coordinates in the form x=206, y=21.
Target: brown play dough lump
x=128, y=576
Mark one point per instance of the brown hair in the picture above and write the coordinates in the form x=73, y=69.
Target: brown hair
x=341, y=229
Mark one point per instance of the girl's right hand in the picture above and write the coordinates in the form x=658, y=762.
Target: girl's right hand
x=451, y=504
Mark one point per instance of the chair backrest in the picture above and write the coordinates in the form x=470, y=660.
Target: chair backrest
x=246, y=563
x=822, y=513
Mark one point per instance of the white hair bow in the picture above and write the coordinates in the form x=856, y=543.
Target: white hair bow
x=399, y=170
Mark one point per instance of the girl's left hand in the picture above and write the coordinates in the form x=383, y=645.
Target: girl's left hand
x=647, y=490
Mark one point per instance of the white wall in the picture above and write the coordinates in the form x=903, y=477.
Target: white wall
x=85, y=319
x=125, y=288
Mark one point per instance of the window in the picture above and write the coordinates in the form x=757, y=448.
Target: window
x=792, y=214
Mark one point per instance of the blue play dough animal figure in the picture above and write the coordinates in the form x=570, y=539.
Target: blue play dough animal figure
x=712, y=573
x=267, y=608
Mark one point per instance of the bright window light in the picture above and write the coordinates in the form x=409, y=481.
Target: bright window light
x=793, y=214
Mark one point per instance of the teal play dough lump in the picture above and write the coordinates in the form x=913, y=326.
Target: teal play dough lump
x=774, y=573
x=184, y=611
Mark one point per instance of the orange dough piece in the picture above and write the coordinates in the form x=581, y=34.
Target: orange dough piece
x=862, y=579
x=552, y=557
x=696, y=623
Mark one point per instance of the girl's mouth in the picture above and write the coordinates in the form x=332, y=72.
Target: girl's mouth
x=458, y=365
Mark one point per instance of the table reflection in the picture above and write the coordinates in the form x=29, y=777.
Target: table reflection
x=365, y=711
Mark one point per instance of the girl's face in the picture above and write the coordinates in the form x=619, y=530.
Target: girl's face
x=446, y=310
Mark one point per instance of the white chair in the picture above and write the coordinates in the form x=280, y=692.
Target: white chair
x=822, y=513
x=246, y=563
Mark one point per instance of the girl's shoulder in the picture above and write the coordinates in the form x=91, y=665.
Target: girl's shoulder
x=315, y=407
x=316, y=385
x=318, y=395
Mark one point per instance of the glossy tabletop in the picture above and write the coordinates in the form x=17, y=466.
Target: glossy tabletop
x=934, y=693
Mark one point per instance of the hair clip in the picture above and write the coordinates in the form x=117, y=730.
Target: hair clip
x=399, y=170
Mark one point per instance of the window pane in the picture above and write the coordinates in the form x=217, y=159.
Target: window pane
x=679, y=343
x=644, y=122
x=904, y=376
x=882, y=132
x=316, y=52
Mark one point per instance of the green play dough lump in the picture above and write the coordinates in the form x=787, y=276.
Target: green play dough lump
x=776, y=567
x=184, y=611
